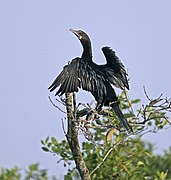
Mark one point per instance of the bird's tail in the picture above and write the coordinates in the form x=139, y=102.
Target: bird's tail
x=121, y=117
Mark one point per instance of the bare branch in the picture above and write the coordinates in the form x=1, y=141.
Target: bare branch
x=146, y=93
x=56, y=105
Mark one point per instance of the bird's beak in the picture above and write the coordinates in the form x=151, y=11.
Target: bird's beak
x=75, y=32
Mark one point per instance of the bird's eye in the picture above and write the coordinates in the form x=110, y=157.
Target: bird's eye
x=80, y=35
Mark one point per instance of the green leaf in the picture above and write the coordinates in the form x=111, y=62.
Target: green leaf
x=160, y=126
x=128, y=115
x=118, y=138
x=49, y=144
x=135, y=101
x=54, y=141
x=42, y=142
x=165, y=122
x=54, y=149
x=47, y=140
x=45, y=149
x=34, y=167
x=140, y=163
x=126, y=169
x=163, y=175
x=150, y=123
x=148, y=154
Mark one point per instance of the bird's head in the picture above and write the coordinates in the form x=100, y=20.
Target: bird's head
x=85, y=41
x=81, y=35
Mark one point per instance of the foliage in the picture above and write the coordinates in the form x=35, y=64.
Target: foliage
x=32, y=172
x=112, y=153
x=132, y=159
x=6, y=174
x=138, y=163
x=51, y=145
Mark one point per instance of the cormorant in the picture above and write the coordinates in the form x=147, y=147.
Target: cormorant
x=97, y=79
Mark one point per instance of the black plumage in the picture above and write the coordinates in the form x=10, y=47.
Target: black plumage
x=97, y=79
x=118, y=69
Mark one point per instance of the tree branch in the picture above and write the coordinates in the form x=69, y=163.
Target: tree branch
x=72, y=137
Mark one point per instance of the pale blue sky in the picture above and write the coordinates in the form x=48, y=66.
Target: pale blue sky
x=35, y=44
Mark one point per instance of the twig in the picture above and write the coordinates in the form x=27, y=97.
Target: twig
x=61, y=102
x=63, y=126
x=167, y=120
x=146, y=93
x=56, y=106
x=105, y=157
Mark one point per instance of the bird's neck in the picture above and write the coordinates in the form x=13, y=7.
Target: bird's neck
x=87, y=51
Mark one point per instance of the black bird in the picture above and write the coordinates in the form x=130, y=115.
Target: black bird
x=97, y=79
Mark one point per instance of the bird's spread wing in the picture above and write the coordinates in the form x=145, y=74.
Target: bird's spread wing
x=79, y=74
x=68, y=79
x=115, y=68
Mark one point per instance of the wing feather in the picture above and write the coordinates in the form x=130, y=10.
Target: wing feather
x=79, y=74
x=115, y=70
x=67, y=79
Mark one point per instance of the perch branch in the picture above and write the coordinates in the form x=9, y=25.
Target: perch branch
x=72, y=138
